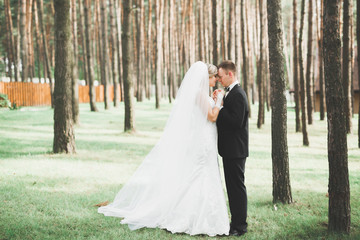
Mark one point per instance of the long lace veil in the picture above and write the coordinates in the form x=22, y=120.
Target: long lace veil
x=170, y=164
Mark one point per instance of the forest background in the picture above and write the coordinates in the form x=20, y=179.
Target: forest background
x=141, y=49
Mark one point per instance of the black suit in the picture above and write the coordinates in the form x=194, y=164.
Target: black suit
x=233, y=146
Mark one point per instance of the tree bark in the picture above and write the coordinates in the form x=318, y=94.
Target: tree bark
x=30, y=48
x=159, y=23
x=23, y=42
x=114, y=50
x=127, y=68
x=167, y=44
x=358, y=56
x=83, y=40
x=89, y=58
x=260, y=68
x=38, y=40
x=118, y=47
x=321, y=64
x=173, y=48
x=214, y=32
x=64, y=137
x=346, y=65
x=308, y=64
x=45, y=48
x=279, y=149
x=339, y=191
x=105, y=53
x=296, y=69
x=245, y=81
x=302, y=80
x=74, y=80
x=231, y=32
x=9, y=24
x=237, y=33
x=141, y=53
x=149, y=52
x=250, y=67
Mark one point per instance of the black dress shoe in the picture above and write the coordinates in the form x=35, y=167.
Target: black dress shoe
x=235, y=232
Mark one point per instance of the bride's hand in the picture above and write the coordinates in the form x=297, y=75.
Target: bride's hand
x=216, y=92
x=219, y=98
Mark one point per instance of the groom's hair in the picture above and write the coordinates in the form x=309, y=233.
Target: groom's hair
x=228, y=65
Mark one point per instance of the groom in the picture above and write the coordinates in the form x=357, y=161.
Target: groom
x=233, y=146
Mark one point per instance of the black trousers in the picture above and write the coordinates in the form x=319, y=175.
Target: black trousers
x=234, y=169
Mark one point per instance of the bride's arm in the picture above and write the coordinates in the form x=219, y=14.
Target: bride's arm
x=213, y=113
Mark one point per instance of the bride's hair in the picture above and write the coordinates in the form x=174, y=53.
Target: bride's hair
x=212, y=69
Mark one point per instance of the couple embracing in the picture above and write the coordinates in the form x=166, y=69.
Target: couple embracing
x=178, y=185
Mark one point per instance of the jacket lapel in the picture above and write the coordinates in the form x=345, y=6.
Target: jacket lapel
x=230, y=93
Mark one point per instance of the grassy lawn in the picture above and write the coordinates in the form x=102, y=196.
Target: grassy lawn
x=47, y=196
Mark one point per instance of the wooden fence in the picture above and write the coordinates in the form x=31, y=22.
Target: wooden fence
x=38, y=94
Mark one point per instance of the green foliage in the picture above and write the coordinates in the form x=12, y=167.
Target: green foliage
x=47, y=196
x=15, y=107
x=4, y=101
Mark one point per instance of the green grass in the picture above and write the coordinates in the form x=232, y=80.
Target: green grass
x=47, y=196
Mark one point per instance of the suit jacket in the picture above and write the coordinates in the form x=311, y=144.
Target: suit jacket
x=232, y=125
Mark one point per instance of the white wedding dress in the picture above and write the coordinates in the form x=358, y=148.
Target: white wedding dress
x=178, y=186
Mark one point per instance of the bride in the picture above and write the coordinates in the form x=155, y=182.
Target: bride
x=178, y=186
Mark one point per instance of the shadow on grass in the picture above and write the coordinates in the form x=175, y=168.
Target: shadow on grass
x=37, y=209
x=13, y=148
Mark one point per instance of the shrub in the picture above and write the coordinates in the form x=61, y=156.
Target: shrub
x=4, y=101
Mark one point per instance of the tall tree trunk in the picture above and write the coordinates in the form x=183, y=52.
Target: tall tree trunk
x=149, y=52
x=201, y=33
x=8, y=46
x=237, y=33
x=9, y=24
x=105, y=53
x=117, y=14
x=308, y=64
x=64, y=137
x=279, y=149
x=214, y=32
x=87, y=5
x=296, y=69
x=97, y=45
x=127, y=67
x=83, y=40
x=173, y=49
x=74, y=80
x=45, y=48
x=352, y=61
x=159, y=23
x=38, y=40
x=250, y=66
x=30, y=49
x=167, y=44
x=339, y=191
x=208, y=32
x=302, y=81
x=259, y=73
x=18, y=40
x=358, y=58
x=23, y=42
x=321, y=64
x=141, y=52
x=114, y=50
x=245, y=81
x=231, y=32
x=346, y=65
